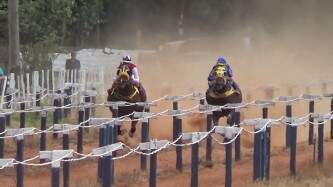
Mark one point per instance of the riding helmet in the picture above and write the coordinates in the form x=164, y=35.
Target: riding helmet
x=221, y=60
x=127, y=59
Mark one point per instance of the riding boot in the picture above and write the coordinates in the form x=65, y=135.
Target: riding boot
x=142, y=91
x=235, y=86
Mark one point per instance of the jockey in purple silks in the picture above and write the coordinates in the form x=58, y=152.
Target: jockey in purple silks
x=222, y=62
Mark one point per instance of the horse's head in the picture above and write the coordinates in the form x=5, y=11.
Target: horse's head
x=220, y=84
x=124, y=81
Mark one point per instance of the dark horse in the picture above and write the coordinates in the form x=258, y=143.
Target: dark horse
x=123, y=89
x=222, y=92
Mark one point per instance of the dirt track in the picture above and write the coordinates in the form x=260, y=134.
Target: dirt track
x=176, y=78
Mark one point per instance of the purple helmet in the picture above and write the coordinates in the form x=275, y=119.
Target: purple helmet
x=221, y=60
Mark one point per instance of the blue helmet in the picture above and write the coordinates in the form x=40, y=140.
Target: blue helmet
x=221, y=60
x=127, y=59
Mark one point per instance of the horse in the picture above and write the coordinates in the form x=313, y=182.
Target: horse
x=222, y=92
x=123, y=89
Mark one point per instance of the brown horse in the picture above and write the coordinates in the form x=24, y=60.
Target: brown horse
x=222, y=92
x=123, y=89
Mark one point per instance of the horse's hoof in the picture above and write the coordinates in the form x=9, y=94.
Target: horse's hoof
x=208, y=164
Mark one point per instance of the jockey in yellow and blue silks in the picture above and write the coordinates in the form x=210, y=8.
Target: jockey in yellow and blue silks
x=222, y=62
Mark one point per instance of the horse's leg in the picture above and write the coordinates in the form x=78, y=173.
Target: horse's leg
x=133, y=128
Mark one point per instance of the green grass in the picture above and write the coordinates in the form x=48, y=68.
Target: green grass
x=33, y=119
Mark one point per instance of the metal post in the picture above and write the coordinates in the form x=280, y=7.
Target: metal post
x=144, y=138
x=20, y=157
x=116, y=129
x=153, y=169
x=320, y=140
x=228, y=163
x=22, y=115
x=101, y=144
x=2, y=129
x=263, y=158
x=38, y=99
x=311, y=111
x=111, y=141
x=175, y=136
x=80, y=132
x=8, y=98
x=289, y=115
x=42, y=145
x=293, y=141
x=209, y=147
x=107, y=181
x=236, y=121
x=194, y=165
x=93, y=100
x=66, y=170
x=268, y=144
x=55, y=179
x=257, y=155
x=67, y=101
x=55, y=115
x=87, y=112
x=179, y=149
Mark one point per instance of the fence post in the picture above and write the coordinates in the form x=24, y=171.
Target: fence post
x=80, y=132
x=101, y=144
x=56, y=156
x=228, y=158
x=56, y=115
x=66, y=165
x=93, y=100
x=87, y=111
x=293, y=142
x=153, y=146
x=194, y=164
x=144, y=138
x=67, y=101
x=311, y=111
x=209, y=142
x=179, y=149
x=153, y=169
x=106, y=151
x=236, y=121
x=107, y=179
x=55, y=179
x=320, y=139
x=176, y=124
x=257, y=153
x=22, y=115
x=42, y=145
x=288, y=115
x=112, y=128
x=9, y=106
x=2, y=130
x=267, y=159
x=20, y=157
x=19, y=136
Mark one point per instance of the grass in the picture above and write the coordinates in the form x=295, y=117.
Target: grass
x=314, y=178
x=33, y=119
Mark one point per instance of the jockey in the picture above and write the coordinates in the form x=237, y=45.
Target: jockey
x=222, y=62
x=134, y=74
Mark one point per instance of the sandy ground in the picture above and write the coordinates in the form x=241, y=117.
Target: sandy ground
x=175, y=76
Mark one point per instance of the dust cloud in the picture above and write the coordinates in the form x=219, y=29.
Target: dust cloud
x=283, y=44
